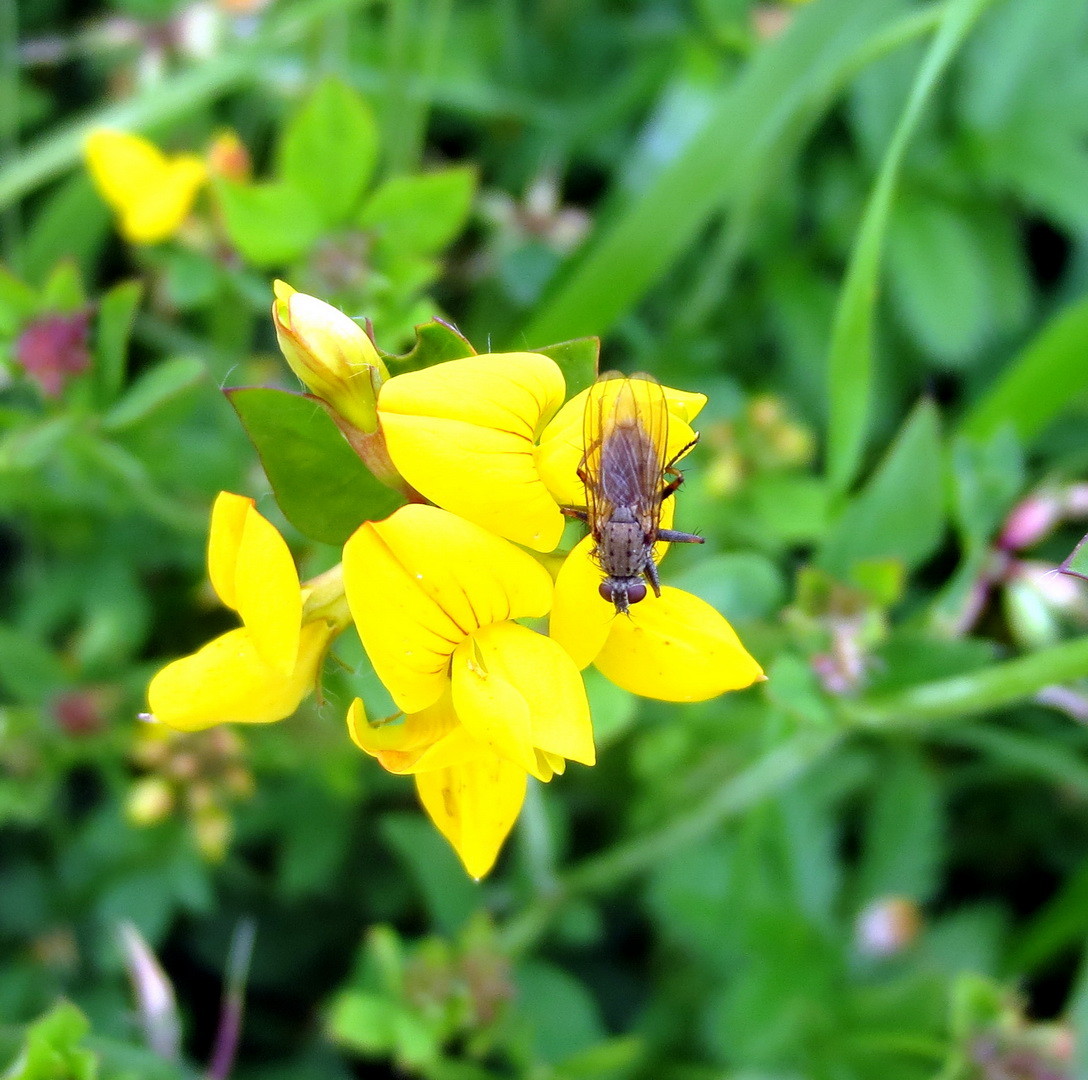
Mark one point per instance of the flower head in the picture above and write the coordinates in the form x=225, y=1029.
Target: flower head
x=261, y=671
x=434, y=598
x=151, y=193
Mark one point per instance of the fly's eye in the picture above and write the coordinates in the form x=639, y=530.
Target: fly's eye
x=605, y=590
x=636, y=592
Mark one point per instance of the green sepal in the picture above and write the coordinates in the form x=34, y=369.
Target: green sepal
x=320, y=483
x=436, y=341
x=578, y=359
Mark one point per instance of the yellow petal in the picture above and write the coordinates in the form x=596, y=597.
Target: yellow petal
x=159, y=213
x=677, y=648
x=580, y=620
x=518, y=691
x=123, y=166
x=491, y=708
x=462, y=433
x=268, y=592
x=151, y=193
x=474, y=806
x=419, y=582
x=227, y=681
x=431, y=739
x=229, y=513
x=562, y=445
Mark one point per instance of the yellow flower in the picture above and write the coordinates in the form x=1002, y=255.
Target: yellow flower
x=151, y=193
x=485, y=438
x=261, y=671
x=487, y=700
x=331, y=354
x=675, y=647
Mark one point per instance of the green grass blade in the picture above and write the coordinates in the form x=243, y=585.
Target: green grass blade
x=1048, y=374
x=789, y=81
x=850, y=358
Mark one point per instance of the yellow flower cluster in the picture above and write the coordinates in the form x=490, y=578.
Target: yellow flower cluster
x=489, y=451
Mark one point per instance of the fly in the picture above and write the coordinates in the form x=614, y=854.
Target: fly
x=627, y=475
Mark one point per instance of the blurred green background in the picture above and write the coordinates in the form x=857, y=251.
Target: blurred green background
x=860, y=227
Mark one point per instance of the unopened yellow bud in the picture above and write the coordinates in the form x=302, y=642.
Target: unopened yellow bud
x=212, y=828
x=150, y=800
x=331, y=354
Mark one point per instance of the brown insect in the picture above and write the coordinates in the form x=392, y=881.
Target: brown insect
x=627, y=475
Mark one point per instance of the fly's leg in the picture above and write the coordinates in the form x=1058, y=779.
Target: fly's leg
x=677, y=477
x=674, y=536
x=650, y=573
x=575, y=512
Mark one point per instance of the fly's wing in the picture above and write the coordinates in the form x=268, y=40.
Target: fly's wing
x=626, y=438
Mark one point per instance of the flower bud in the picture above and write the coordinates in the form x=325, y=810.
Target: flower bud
x=149, y=801
x=331, y=354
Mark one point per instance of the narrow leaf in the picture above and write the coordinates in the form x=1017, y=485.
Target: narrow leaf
x=900, y=512
x=116, y=316
x=1040, y=382
x=850, y=357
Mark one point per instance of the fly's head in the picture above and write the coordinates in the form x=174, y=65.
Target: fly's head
x=622, y=592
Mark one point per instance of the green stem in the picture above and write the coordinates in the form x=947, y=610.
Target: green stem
x=534, y=834
x=978, y=691
x=177, y=96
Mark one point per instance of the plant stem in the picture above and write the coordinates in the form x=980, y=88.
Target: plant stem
x=978, y=691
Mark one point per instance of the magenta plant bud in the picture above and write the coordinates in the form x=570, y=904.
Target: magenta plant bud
x=1030, y=521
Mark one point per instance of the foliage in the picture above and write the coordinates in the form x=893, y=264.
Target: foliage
x=858, y=226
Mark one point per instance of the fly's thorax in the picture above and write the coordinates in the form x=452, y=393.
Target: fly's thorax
x=622, y=546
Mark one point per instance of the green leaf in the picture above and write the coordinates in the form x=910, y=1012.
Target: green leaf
x=63, y=290
x=741, y=585
x=1039, y=383
x=944, y=302
x=850, y=356
x=450, y=894
x=29, y=671
x=271, y=223
x=578, y=359
x=1061, y=925
x=420, y=214
x=436, y=342
x=329, y=148
x=564, y=1017
x=113, y=328
x=154, y=389
x=72, y=224
x=52, y=1050
x=18, y=302
x=987, y=477
x=1076, y=563
x=363, y=1022
x=899, y=514
x=903, y=845
x=321, y=485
